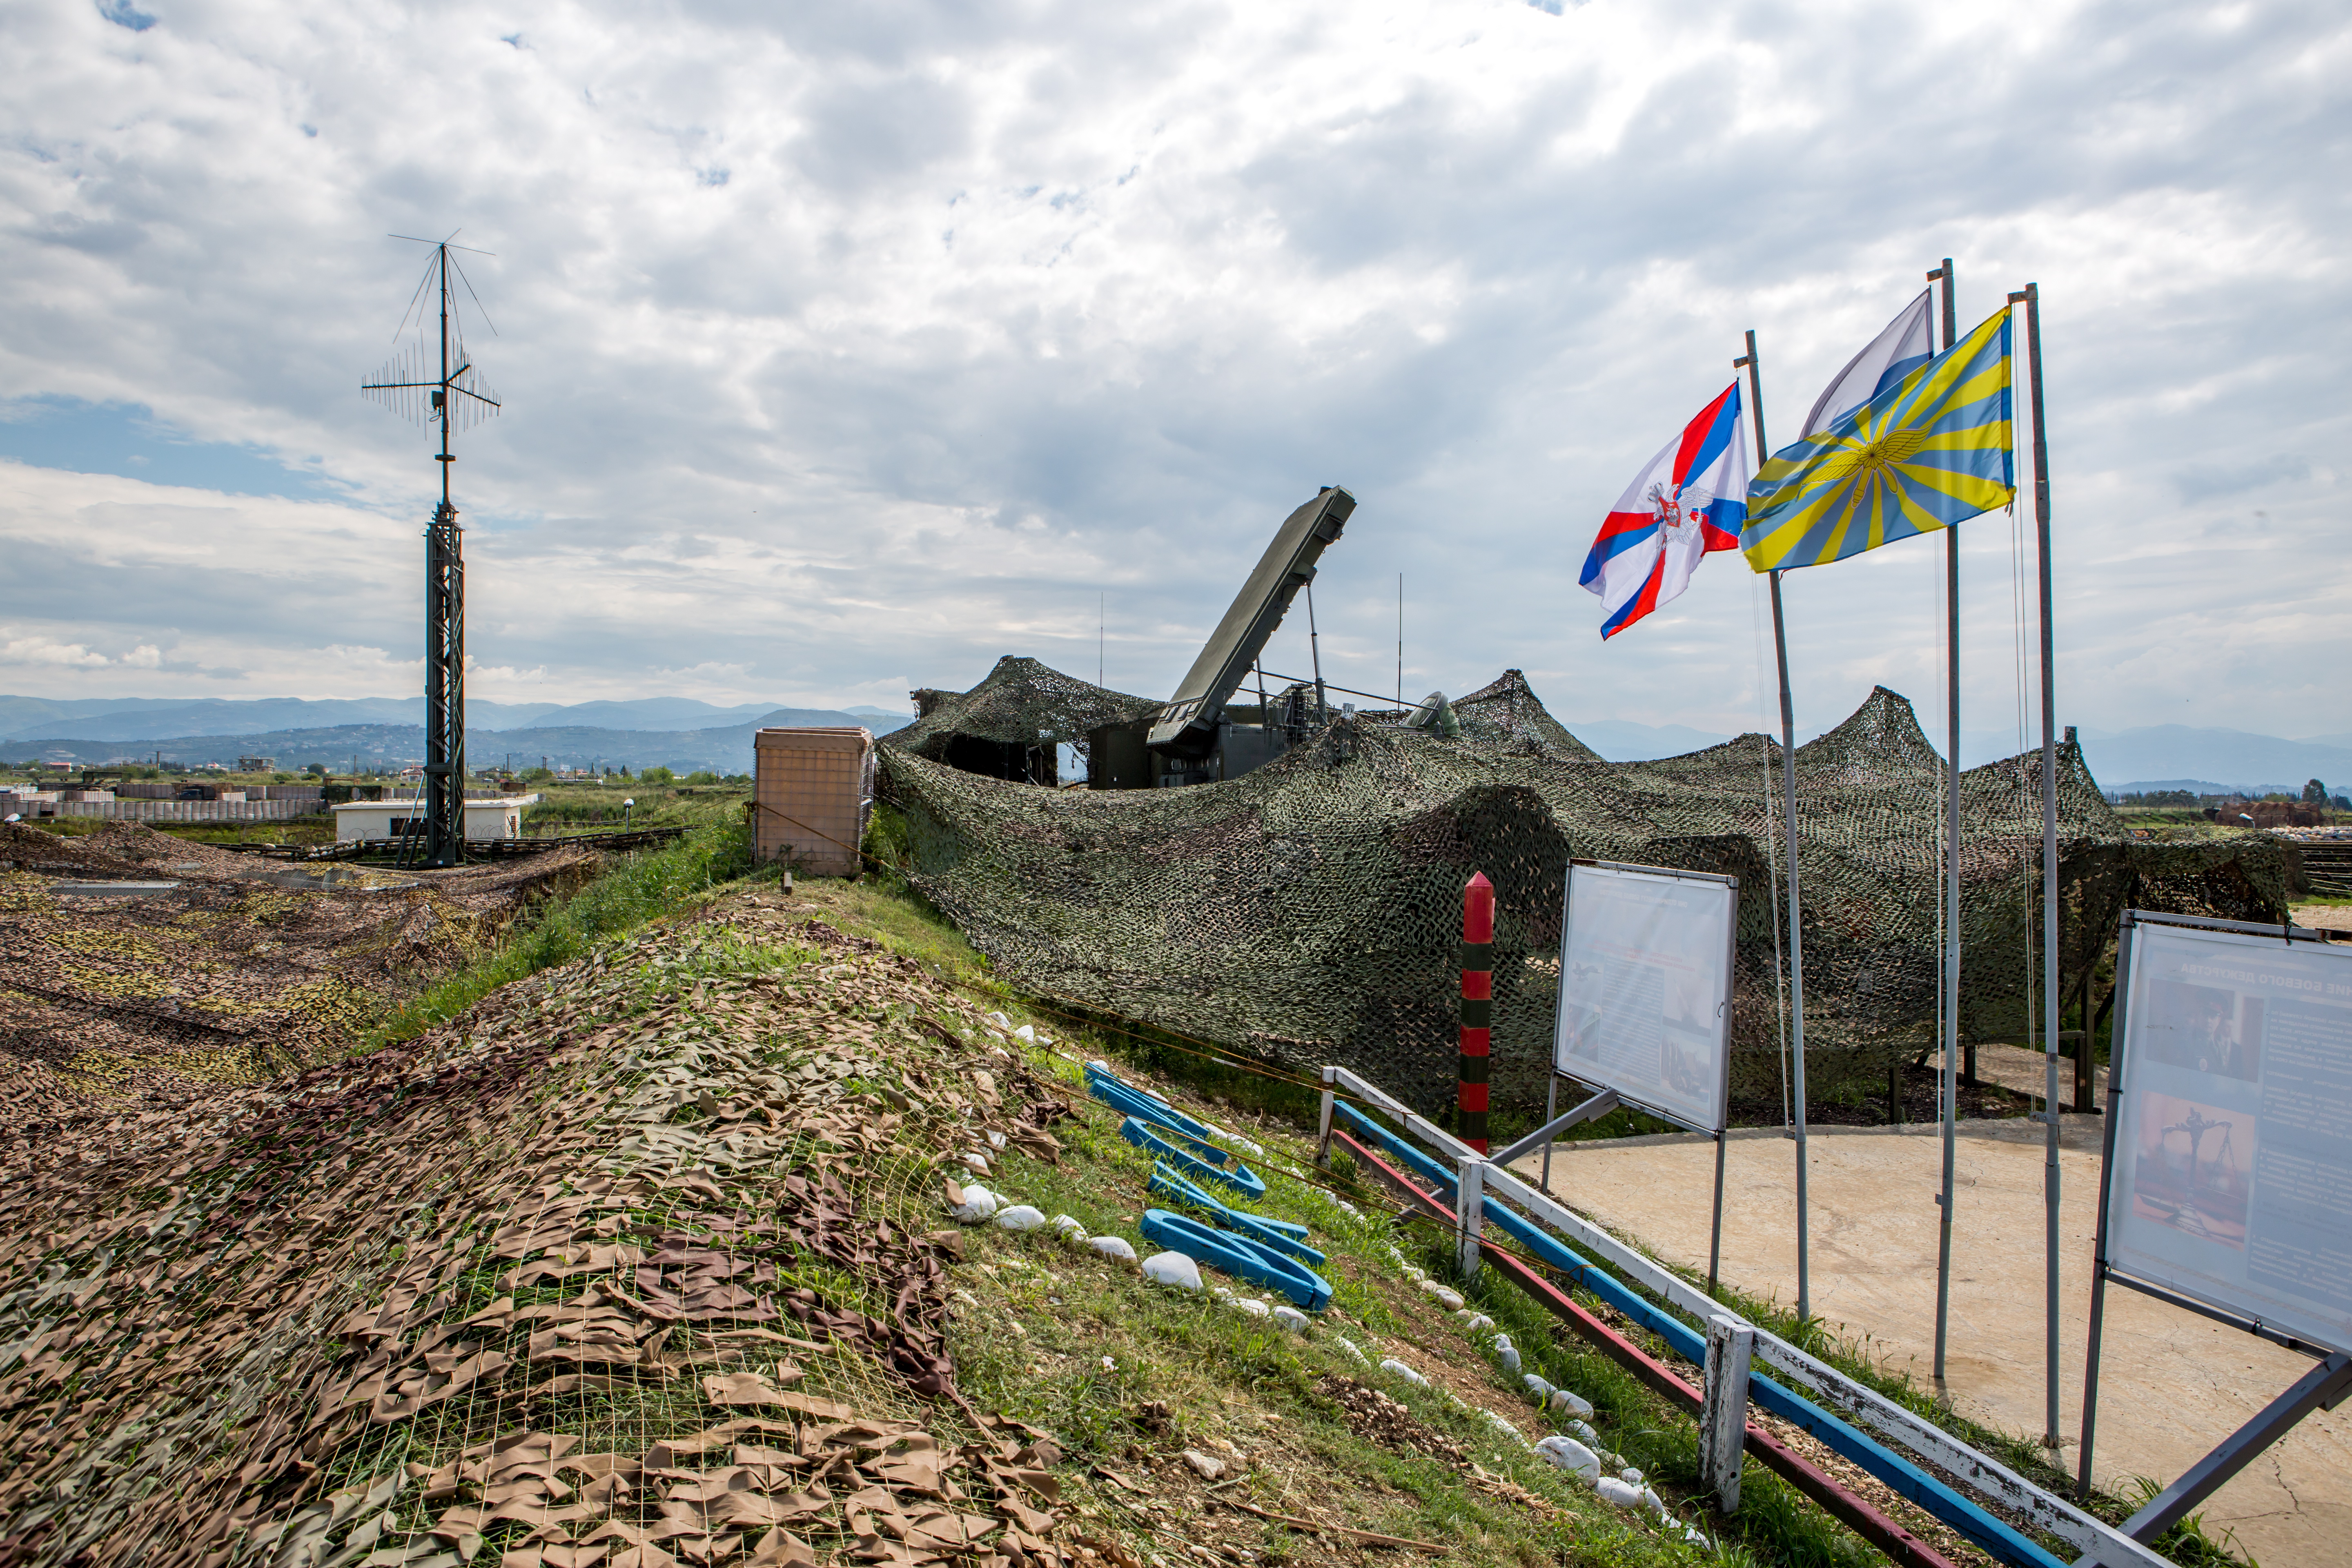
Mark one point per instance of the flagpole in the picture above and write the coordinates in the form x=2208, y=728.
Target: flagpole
x=2032, y=298
x=1789, y=816
x=1951, y=986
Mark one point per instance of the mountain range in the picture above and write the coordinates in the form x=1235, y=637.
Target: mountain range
x=723, y=749
x=151, y=719
x=686, y=734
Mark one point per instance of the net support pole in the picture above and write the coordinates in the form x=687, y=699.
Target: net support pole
x=1789, y=819
x=1478, y=1007
x=1951, y=999
x=1715, y=1236
x=2032, y=298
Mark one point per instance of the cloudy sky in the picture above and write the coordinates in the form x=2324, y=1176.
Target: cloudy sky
x=847, y=347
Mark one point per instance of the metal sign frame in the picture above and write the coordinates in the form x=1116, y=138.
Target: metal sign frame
x=1608, y=1097
x=2322, y=1388
x=1723, y=1002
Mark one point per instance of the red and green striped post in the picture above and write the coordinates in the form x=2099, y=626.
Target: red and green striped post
x=1477, y=1007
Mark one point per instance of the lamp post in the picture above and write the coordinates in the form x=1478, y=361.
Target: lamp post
x=627, y=806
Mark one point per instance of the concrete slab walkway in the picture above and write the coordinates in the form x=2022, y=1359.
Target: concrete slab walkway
x=2173, y=1385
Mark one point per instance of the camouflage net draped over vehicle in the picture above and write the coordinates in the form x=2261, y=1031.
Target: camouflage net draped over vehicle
x=1309, y=911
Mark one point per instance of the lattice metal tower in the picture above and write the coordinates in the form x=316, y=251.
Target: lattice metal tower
x=451, y=399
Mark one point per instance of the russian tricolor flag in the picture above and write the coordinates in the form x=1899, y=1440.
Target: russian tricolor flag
x=1691, y=498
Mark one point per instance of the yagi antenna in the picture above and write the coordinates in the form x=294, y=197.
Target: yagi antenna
x=429, y=384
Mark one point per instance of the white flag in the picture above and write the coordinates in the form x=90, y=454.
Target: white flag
x=1908, y=342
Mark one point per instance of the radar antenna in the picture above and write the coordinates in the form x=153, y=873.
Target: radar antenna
x=456, y=399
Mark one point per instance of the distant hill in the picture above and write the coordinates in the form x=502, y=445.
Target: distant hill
x=2251, y=764
x=131, y=719
x=724, y=749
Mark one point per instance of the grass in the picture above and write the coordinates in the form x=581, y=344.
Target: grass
x=1191, y=1371
x=633, y=889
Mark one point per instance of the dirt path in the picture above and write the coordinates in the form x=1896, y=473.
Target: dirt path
x=2173, y=1385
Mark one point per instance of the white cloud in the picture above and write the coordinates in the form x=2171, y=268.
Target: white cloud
x=996, y=311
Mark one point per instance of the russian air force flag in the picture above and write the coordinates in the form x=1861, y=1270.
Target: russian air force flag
x=1691, y=498
x=1908, y=342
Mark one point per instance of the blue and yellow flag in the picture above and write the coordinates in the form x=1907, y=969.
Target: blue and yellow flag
x=1930, y=451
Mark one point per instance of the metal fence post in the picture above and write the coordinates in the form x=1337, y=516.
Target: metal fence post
x=1323, y=1134
x=1471, y=1195
x=1723, y=1420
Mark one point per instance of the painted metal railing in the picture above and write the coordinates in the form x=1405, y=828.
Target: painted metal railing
x=1852, y=1420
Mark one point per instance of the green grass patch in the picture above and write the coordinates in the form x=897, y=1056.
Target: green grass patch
x=634, y=889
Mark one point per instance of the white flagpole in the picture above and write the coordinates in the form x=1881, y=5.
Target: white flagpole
x=1789, y=816
x=2031, y=300
x=1951, y=987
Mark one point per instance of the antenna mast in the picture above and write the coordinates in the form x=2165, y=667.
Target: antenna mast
x=454, y=397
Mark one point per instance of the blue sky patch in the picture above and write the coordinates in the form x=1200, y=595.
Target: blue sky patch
x=128, y=440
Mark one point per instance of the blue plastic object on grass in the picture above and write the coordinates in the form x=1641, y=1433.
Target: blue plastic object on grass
x=1194, y=1158
x=1239, y=1257
x=1283, y=1235
x=1125, y=1098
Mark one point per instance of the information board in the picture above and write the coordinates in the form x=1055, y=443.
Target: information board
x=2230, y=1180
x=1646, y=988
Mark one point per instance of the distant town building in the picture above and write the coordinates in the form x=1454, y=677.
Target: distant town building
x=2267, y=814
x=256, y=765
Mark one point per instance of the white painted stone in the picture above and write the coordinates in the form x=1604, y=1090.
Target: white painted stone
x=996, y=1141
x=1584, y=1430
x=1027, y=1035
x=1290, y=1318
x=1505, y=1427
x=1020, y=1217
x=1476, y=1322
x=1572, y=1456
x=979, y=1203
x=1354, y=1349
x=976, y=1160
x=1399, y=1369
x=1069, y=1227
x=1113, y=1247
x=1450, y=1299
x=1244, y=1304
x=1570, y=1403
x=1537, y=1389
x=1620, y=1493
x=1172, y=1268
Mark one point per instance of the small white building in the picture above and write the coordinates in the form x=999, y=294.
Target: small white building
x=501, y=817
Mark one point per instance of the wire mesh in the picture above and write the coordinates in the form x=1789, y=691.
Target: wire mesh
x=628, y=1264
x=1308, y=912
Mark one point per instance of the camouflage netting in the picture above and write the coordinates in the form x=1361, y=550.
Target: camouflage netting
x=242, y=969
x=627, y=1266
x=1021, y=703
x=1308, y=912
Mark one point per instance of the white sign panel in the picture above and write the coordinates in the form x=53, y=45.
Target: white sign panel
x=2231, y=1180
x=1646, y=988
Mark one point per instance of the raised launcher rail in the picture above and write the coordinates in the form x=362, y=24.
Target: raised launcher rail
x=1919, y=1461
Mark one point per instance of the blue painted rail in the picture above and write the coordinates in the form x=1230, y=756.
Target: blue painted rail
x=1994, y=1534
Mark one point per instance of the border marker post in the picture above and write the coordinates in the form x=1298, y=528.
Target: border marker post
x=1723, y=1418
x=1478, y=1007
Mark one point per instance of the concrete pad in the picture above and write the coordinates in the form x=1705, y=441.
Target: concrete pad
x=2173, y=1385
